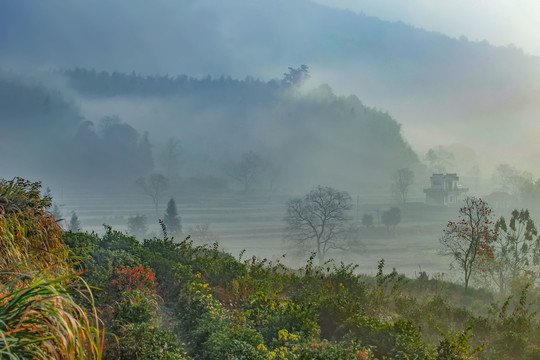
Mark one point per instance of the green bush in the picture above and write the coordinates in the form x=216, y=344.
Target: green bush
x=135, y=307
x=457, y=347
x=269, y=315
x=393, y=339
x=326, y=350
x=233, y=342
x=143, y=341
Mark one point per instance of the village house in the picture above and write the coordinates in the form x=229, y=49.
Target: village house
x=445, y=190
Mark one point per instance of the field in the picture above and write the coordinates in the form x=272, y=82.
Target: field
x=255, y=223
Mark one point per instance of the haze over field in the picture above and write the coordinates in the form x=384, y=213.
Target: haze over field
x=264, y=179
x=95, y=94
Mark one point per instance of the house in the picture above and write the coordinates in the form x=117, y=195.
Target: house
x=445, y=190
x=501, y=200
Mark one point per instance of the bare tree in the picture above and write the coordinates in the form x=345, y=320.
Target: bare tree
x=154, y=186
x=247, y=170
x=404, y=179
x=468, y=241
x=319, y=221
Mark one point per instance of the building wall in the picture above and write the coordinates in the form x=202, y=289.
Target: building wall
x=445, y=190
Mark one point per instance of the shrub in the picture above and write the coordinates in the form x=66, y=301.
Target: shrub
x=134, y=279
x=145, y=342
x=272, y=314
x=457, y=347
x=82, y=245
x=399, y=339
x=115, y=240
x=233, y=342
x=135, y=307
x=200, y=315
x=326, y=350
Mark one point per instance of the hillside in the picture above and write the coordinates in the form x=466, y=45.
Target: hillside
x=434, y=84
x=116, y=127
x=167, y=299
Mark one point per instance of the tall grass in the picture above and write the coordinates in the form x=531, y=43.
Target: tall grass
x=40, y=320
x=30, y=238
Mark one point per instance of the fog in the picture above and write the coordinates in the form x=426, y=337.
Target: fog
x=500, y=22
x=97, y=94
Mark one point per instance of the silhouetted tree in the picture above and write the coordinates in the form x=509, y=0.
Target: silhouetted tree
x=511, y=179
x=57, y=212
x=530, y=193
x=154, y=187
x=403, y=180
x=247, y=170
x=391, y=218
x=74, y=223
x=171, y=219
x=367, y=220
x=439, y=159
x=295, y=77
x=319, y=221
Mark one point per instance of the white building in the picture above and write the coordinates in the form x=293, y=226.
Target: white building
x=445, y=190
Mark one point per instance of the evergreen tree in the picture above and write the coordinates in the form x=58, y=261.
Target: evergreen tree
x=74, y=223
x=57, y=213
x=171, y=219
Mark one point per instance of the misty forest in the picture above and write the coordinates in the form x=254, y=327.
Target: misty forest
x=257, y=179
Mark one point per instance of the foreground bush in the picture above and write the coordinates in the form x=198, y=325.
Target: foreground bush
x=144, y=341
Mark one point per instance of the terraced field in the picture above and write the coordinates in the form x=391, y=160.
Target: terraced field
x=255, y=223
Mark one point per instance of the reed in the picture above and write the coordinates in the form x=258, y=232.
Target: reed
x=30, y=237
x=40, y=320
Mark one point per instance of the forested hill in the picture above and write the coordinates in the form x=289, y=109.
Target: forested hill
x=304, y=136
x=242, y=37
x=434, y=84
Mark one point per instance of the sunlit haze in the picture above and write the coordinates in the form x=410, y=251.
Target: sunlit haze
x=500, y=22
x=270, y=179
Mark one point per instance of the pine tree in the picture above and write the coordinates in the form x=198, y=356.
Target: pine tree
x=74, y=223
x=171, y=219
x=57, y=213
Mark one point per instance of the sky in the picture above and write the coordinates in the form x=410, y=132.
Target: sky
x=500, y=22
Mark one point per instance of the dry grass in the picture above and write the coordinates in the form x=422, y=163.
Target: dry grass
x=30, y=238
x=40, y=320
